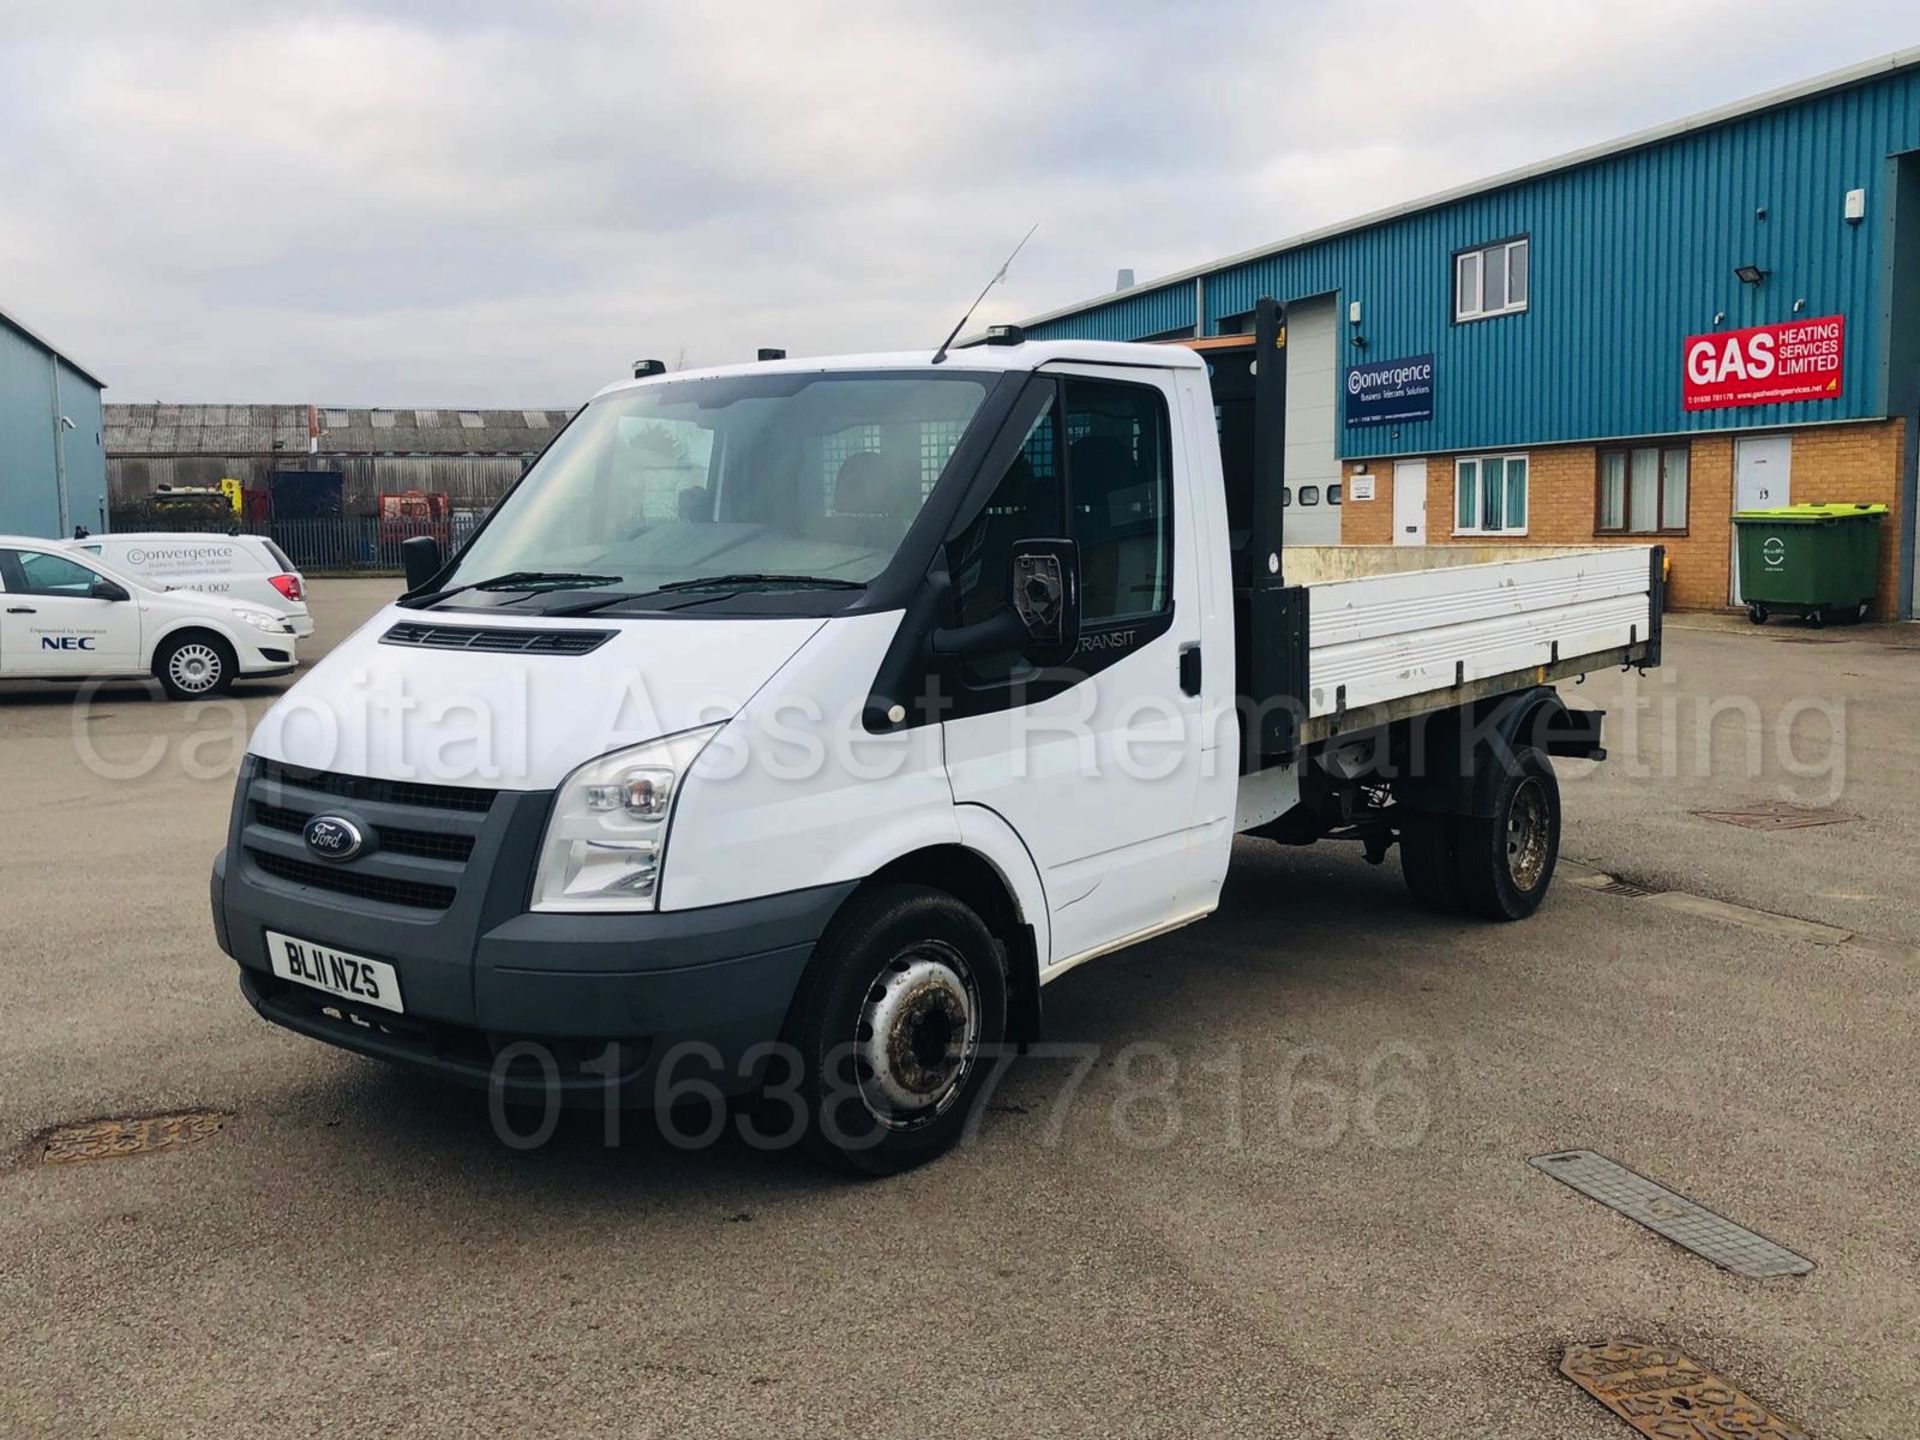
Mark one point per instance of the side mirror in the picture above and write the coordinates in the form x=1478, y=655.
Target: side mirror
x=1046, y=596
x=104, y=589
x=1042, y=622
x=420, y=558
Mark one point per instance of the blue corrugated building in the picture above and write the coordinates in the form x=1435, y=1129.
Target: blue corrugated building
x=53, y=469
x=1630, y=341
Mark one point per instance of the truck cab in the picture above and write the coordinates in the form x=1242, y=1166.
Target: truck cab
x=797, y=723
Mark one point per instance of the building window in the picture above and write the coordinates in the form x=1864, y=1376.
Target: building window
x=1490, y=495
x=1491, y=280
x=1333, y=493
x=1643, y=491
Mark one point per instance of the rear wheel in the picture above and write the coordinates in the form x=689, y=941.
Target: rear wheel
x=1504, y=862
x=194, y=666
x=1757, y=614
x=1426, y=861
x=895, y=1028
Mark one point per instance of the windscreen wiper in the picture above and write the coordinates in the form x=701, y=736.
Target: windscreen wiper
x=528, y=580
x=714, y=582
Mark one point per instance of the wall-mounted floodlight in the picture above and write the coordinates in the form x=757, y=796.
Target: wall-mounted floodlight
x=1749, y=274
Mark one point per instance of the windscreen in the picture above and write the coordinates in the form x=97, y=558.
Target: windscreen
x=791, y=475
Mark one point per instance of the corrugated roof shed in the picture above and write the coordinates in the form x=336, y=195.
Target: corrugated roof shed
x=282, y=429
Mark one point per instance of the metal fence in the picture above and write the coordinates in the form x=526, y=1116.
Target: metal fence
x=360, y=544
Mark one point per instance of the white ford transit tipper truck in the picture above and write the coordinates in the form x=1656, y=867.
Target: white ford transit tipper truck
x=793, y=725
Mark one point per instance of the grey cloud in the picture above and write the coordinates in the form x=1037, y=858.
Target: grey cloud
x=492, y=204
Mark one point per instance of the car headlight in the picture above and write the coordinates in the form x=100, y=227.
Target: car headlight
x=261, y=620
x=607, y=838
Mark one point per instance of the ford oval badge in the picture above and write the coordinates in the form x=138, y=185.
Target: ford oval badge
x=333, y=837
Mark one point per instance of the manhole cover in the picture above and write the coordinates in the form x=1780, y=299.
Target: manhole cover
x=1664, y=1394
x=129, y=1135
x=1669, y=1213
x=1776, y=817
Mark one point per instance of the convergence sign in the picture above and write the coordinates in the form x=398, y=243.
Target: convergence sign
x=1794, y=360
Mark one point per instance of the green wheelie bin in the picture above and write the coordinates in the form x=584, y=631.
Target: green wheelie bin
x=1817, y=561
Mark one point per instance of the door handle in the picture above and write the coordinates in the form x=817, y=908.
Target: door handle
x=21, y=610
x=1190, y=668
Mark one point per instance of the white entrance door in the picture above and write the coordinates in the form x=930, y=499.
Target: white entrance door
x=1762, y=480
x=1312, y=468
x=1409, y=502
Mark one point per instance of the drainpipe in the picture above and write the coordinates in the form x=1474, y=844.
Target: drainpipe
x=59, y=450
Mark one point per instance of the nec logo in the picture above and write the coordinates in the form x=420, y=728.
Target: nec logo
x=66, y=642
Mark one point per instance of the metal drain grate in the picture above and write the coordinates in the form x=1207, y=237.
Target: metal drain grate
x=1776, y=817
x=1663, y=1393
x=1624, y=888
x=1666, y=1212
x=129, y=1135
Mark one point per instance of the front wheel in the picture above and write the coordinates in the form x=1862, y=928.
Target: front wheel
x=192, y=667
x=1503, y=862
x=895, y=1027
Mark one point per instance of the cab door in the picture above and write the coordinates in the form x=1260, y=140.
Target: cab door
x=56, y=621
x=1096, y=765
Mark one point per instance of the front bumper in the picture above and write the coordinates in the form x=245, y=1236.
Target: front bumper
x=680, y=995
x=259, y=653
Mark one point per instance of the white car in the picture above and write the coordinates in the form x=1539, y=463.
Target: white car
x=66, y=615
x=236, y=567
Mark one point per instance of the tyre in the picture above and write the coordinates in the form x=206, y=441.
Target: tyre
x=194, y=666
x=1817, y=618
x=896, y=1025
x=1860, y=611
x=1426, y=861
x=1503, y=863
x=1757, y=614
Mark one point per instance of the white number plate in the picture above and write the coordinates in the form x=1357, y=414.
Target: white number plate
x=351, y=977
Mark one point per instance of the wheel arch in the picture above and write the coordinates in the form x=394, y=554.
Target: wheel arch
x=1456, y=757
x=192, y=625
x=975, y=880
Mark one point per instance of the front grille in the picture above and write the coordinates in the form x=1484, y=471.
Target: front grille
x=422, y=835
x=393, y=839
x=517, y=642
x=392, y=792
x=342, y=880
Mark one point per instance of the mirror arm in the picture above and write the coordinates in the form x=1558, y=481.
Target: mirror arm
x=1000, y=633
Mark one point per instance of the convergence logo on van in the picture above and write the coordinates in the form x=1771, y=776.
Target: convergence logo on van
x=178, y=557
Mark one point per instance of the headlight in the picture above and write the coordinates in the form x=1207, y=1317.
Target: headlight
x=261, y=620
x=607, y=839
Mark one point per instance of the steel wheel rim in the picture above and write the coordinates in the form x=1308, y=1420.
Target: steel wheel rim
x=194, y=667
x=917, y=1037
x=1528, y=829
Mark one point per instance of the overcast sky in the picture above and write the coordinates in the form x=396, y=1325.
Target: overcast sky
x=444, y=202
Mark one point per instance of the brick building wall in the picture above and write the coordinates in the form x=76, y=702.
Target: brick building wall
x=1863, y=462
